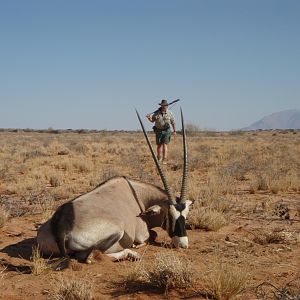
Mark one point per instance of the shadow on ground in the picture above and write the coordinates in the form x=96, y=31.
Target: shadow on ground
x=24, y=269
x=22, y=249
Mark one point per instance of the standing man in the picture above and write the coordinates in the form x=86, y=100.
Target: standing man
x=163, y=119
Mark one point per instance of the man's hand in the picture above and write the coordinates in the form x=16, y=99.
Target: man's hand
x=174, y=133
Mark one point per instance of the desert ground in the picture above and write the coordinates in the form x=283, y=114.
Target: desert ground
x=243, y=228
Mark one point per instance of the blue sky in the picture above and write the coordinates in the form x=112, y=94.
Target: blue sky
x=89, y=64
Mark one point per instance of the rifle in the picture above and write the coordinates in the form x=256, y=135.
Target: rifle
x=171, y=103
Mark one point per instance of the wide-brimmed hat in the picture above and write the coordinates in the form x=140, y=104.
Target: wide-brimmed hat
x=164, y=103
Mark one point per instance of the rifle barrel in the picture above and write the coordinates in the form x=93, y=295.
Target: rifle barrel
x=172, y=102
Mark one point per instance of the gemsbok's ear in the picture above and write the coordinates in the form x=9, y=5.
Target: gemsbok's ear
x=152, y=210
x=189, y=203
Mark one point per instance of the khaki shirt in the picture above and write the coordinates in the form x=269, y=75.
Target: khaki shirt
x=162, y=118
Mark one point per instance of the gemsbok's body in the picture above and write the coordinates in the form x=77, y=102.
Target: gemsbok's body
x=117, y=215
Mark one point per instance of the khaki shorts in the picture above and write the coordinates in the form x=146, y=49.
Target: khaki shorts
x=163, y=137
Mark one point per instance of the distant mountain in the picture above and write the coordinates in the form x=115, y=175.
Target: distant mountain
x=287, y=119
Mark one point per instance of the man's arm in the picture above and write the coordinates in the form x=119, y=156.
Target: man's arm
x=173, y=124
x=174, y=128
x=150, y=118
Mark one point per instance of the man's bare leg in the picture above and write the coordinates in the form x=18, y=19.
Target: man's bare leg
x=165, y=152
x=160, y=151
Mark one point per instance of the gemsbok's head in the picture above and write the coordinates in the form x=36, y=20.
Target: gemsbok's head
x=178, y=208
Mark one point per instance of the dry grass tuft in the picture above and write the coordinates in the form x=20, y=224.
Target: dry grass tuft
x=210, y=209
x=4, y=214
x=211, y=197
x=55, y=179
x=221, y=181
x=135, y=274
x=167, y=271
x=73, y=289
x=39, y=265
x=207, y=218
x=83, y=166
x=46, y=205
x=170, y=271
x=224, y=281
x=2, y=275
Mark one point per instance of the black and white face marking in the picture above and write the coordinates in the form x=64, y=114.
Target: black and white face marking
x=176, y=223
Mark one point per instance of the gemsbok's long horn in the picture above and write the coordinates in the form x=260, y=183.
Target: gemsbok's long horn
x=185, y=163
x=161, y=173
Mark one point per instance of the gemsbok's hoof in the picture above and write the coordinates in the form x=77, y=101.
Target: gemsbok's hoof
x=132, y=255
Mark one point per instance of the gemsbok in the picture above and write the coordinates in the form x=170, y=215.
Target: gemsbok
x=118, y=215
